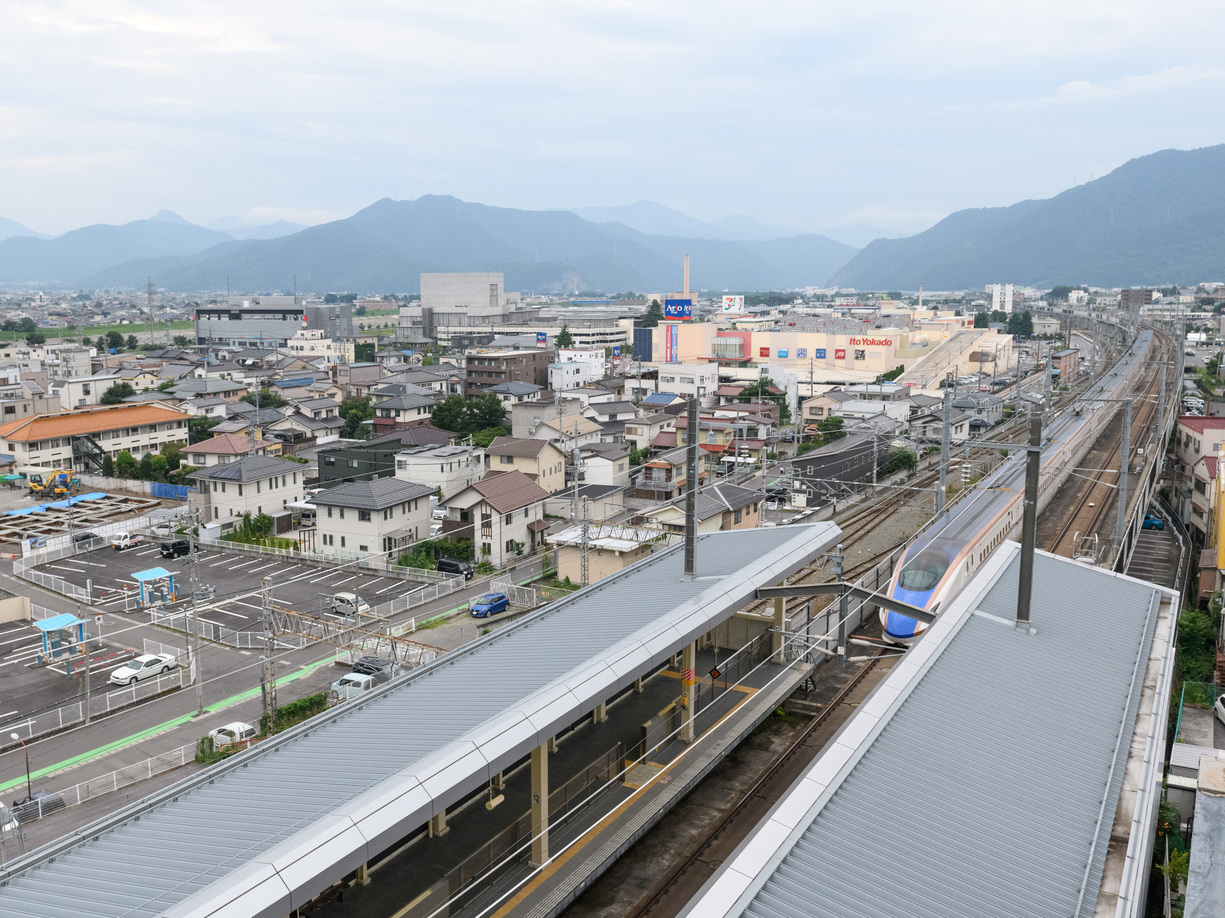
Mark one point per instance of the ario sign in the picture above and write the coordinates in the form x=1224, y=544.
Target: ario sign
x=733, y=304
x=678, y=309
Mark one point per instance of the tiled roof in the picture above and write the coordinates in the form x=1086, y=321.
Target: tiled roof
x=1199, y=425
x=378, y=494
x=507, y=491
x=514, y=446
x=253, y=468
x=223, y=445
x=45, y=426
x=665, y=439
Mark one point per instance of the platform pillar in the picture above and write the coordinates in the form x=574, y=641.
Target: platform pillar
x=499, y=781
x=540, y=805
x=780, y=624
x=688, y=701
x=438, y=825
x=600, y=714
x=638, y=686
x=363, y=874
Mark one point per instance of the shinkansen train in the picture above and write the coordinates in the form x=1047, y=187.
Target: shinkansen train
x=946, y=555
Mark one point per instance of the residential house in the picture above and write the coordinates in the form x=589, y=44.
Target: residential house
x=511, y=393
x=662, y=401
x=985, y=410
x=539, y=459
x=352, y=377
x=930, y=426
x=639, y=432
x=598, y=502
x=227, y=389
x=378, y=517
x=252, y=485
x=568, y=431
x=720, y=507
x=606, y=464
x=664, y=476
x=445, y=469
x=362, y=460
x=226, y=448
x=610, y=549
x=819, y=407
x=80, y=439
x=503, y=513
x=403, y=411
x=1202, y=519
x=1194, y=438
x=300, y=426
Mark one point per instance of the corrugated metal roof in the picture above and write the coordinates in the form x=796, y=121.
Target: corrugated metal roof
x=981, y=777
x=276, y=825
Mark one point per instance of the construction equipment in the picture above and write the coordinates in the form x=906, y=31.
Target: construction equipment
x=47, y=483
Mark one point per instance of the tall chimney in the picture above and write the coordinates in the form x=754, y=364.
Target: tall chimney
x=686, y=277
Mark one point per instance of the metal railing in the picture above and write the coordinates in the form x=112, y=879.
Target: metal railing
x=100, y=705
x=243, y=640
x=419, y=596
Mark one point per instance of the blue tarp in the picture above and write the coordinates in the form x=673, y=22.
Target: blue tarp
x=168, y=491
x=62, y=504
x=294, y=383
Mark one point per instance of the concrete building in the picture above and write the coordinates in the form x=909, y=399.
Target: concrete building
x=688, y=380
x=365, y=459
x=503, y=514
x=444, y=469
x=485, y=370
x=376, y=517
x=539, y=459
x=268, y=321
x=576, y=367
x=252, y=485
x=458, y=300
x=313, y=342
x=80, y=439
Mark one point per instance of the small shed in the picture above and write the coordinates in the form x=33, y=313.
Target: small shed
x=156, y=585
x=60, y=634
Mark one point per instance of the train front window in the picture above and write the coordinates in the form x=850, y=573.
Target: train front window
x=924, y=571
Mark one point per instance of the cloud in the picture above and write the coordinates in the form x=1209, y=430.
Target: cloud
x=1165, y=80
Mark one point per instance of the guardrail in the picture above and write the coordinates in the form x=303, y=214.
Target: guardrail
x=24, y=568
x=417, y=597
x=70, y=715
x=243, y=640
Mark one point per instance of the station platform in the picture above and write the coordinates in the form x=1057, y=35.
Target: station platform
x=612, y=796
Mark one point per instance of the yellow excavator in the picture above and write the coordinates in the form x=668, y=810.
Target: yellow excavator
x=56, y=482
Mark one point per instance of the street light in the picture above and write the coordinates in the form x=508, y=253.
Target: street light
x=29, y=791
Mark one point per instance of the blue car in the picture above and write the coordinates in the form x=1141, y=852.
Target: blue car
x=489, y=604
x=1152, y=522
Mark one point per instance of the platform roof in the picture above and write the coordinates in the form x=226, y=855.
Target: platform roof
x=270, y=828
x=985, y=774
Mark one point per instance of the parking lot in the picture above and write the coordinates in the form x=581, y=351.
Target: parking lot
x=236, y=579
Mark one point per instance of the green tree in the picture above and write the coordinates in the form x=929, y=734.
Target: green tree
x=157, y=468
x=1059, y=294
x=483, y=438
x=330, y=298
x=36, y=338
x=87, y=341
x=27, y=326
x=564, y=338
x=108, y=466
x=761, y=391
x=167, y=385
x=364, y=353
x=145, y=470
x=980, y=320
x=117, y=393
x=125, y=465
x=114, y=341
x=359, y=311
x=267, y=399
x=356, y=411
x=899, y=459
x=198, y=429
x=182, y=341
x=831, y=429
x=451, y=414
x=173, y=454
x=132, y=344
x=653, y=316
x=1021, y=324
x=486, y=411
x=892, y=374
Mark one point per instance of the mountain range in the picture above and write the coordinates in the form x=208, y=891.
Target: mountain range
x=1156, y=219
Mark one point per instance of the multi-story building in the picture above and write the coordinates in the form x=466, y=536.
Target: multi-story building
x=252, y=485
x=539, y=459
x=458, y=300
x=1195, y=439
x=314, y=342
x=503, y=514
x=376, y=517
x=403, y=411
x=444, y=469
x=483, y=371
x=268, y=321
x=639, y=432
x=1133, y=298
x=366, y=459
x=80, y=439
x=698, y=379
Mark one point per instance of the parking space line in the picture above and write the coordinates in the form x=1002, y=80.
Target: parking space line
x=228, y=612
x=249, y=605
x=346, y=580
x=245, y=563
x=324, y=577
x=224, y=560
x=385, y=589
x=256, y=570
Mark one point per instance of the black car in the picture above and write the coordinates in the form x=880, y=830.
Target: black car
x=176, y=548
x=382, y=669
x=80, y=537
x=451, y=566
x=37, y=806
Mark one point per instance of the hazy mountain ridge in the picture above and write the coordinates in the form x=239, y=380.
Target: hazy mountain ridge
x=1155, y=219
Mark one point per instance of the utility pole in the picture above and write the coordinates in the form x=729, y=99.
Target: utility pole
x=193, y=630
x=942, y=491
x=85, y=652
x=1029, y=518
x=1124, y=466
x=584, y=547
x=691, y=490
x=268, y=670
x=836, y=560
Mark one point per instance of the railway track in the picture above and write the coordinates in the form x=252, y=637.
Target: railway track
x=684, y=878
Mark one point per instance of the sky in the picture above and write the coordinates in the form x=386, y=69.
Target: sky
x=863, y=119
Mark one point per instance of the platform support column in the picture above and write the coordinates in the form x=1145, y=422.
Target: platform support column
x=438, y=825
x=363, y=874
x=638, y=686
x=688, y=701
x=600, y=714
x=540, y=805
x=499, y=782
x=778, y=638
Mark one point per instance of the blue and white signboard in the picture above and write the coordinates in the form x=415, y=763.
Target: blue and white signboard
x=801, y=352
x=819, y=352
x=542, y=339
x=616, y=350
x=672, y=337
x=678, y=309
x=782, y=352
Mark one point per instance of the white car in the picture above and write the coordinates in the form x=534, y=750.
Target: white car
x=1219, y=708
x=236, y=732
x=143, y=667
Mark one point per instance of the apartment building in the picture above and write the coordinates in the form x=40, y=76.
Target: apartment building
x=483, y=371
x=80, y=439
x=254, y=485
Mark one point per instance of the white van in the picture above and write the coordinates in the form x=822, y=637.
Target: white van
x=348, y=604
x=352, y=685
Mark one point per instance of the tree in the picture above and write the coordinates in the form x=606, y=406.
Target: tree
x=87, y=341
x=158, y=468
x=36, y=338
x=117, y=393
x=899, y=459
x=26, y=326
x=359, y=311
x=114, y=340
x=980, y=320
x=450, y=414
x=654, y=315
x=173, y=454
x=356, y=411
x=483, y=438
x=330, y=298
x=108, y=466
x=486, y=411
x=831, y=429
x=198, y=428
x=564, y=338
x=125, y=465
x=1021, y=324
x=761, y=390
x=132, y=343
x=182, y=341
x=364, y=353
x=267, y=399
x=146, y=467
x=892, y=374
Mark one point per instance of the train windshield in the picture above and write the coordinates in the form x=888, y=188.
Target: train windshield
x=924, y=570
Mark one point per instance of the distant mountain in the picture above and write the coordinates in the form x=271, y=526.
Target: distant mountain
x=656, y=220
x=239, y=230
x=386, y=247
x=10, y=228
x=66, y=259
x=1157, y=219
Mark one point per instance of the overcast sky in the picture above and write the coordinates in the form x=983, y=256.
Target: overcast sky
x=815, y=115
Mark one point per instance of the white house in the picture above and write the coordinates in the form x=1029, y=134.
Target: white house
x=503, y=514
x=372, y=517
x=700, y=379
x=443, y=469
x=606, y=464
x=254, y=485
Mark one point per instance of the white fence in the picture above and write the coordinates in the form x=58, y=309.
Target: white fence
x=417, y=597
x=518, y=595
x=24, y=568
x=330, y=558
x=100, y=705
x=243, y=640
x=103, y=531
